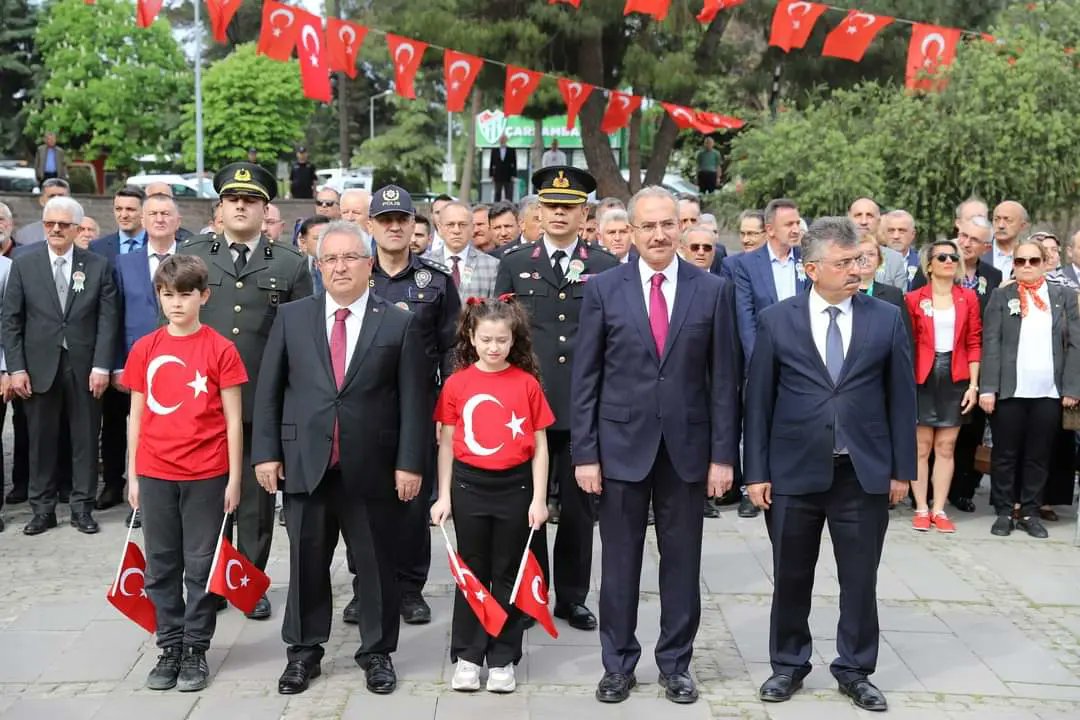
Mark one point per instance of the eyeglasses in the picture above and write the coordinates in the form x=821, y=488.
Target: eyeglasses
x=58, y=224
x=667, y=226
x=326, y=203
x=947, y=257
x=1028, y=261
x=845, y=264
x=701, y=247
x=347, y=258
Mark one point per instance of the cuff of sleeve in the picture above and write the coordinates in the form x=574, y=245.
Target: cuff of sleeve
x=99, y=371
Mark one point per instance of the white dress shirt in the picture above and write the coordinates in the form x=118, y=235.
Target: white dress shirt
x=353, y=323
x=1035, y=351
x=154, y=262
x=783, y=273
x=252, y=244
x=464, y=255
x=553, y=157
x=671, y=279
x=819, y=322
x=1003, y=261
x=552, y=248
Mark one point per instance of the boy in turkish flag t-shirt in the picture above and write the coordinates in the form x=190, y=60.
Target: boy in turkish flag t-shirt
x=185, y=441
x=493, y=469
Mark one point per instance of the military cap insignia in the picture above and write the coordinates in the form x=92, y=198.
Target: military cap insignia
x=242, y=175
x=560, y=181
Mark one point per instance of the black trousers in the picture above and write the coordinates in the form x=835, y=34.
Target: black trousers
x=857, y=523
x=371, y=529
x=69, y=394
x=254, y=517
x=1023, y=428
x=679, y=508
x=965, y=476
x=492, y=527
x=20, y=464
x=504, y=189
x=181, y=521
x=414, y=554
x=706, y=180
x=1061, y=476
x=115, y=406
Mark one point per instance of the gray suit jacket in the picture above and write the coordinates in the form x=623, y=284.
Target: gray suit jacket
x=894, y=271
x=1001, y=339
x=30, y=234
x=39, y=163
x=478, y=275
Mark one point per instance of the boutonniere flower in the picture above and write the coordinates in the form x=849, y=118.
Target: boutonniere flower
x=800, y=272
x=911, y=272
x=982, y=286
x=78, y=281
x=1014, y=306
x=927, y=307
x=573, y=273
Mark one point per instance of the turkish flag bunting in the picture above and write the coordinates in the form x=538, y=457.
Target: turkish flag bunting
x=687, y=119
x=575, y=3
x=460, y=71
x=532, y=595
x=221, y=14
x=850, y=38
x=619, y=109
x=713, y=7
x=574, y=93
x=128, y=593
x=278, y=33
x=146, y=11
x=406, y=54
x=487, y=609
x=314, y=69
x=520, y=84
x=233, y=577
x=343, y=40
x=718, y=121
x=657, y=8
x=932, y=47
x=793, y=22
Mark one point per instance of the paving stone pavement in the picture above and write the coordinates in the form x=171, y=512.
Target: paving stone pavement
x=974, y=627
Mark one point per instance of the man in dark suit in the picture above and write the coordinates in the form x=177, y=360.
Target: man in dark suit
x=49, y=160
x=654, y=417
x=59, y=333
x=502, y=170
x=1071, y=259
x=342, y=410
x=829, y=437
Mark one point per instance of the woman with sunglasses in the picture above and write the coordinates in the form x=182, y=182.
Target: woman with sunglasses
x=1031, y=358
x=948, y=342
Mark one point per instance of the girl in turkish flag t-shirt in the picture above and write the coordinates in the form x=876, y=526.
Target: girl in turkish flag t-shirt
x=493, y=470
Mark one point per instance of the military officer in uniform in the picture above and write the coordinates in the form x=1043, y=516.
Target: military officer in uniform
x=548, y=277
x=424, y=287
x=250, y=276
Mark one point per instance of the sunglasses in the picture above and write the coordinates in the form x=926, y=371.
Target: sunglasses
x=326, y=203
x=1029, y=261
x=701, y=247
x=58, y=224
x=947, y=257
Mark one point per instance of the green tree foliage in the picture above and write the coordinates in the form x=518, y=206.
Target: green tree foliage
x=108, y=88
x=249, y=100
x=408, y=144
x=16, y=71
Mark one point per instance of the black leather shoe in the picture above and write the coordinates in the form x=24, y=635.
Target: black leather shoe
x=731, y=497
x=15, y=498
x=84, y=522
x=963, y=504
x=414, y=610
x=40, y=523
x=1033, y=527
x=1003, y=526
x=779, y=688
x=578, y=616
x=865, y=695
x=747, y=509
x=109, y=497
x=679, y=688
x=351, y=614
x=615, y=687
x=711, y=510
x=134, y=519
x=261, y=611
x=380, y=675
x=297, y=676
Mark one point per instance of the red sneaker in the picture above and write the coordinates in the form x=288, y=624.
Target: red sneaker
x=921, y=522
x=943, y=523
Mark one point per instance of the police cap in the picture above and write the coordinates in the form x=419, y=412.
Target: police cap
x=391, y=199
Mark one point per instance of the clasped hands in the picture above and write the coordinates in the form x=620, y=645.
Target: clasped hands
x=268, y=474
x=590, y=478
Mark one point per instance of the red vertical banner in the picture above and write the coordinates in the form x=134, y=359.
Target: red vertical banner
x=850, y=39
x=343, y=41
x=574, y=93
x=406, y=54
x=221, y=13
x=520, y=84
x=310, y=48
x=459, y=73
x=931, y=48
x=793, y=22
x=619, y=109
x=277, y=34
x=146, y=12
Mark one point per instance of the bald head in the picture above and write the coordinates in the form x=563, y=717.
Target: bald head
x=159, y=188
x=1010, y=221
x=866, y=215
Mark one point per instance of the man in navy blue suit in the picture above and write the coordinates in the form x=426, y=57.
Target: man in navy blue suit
x=829, y=437
x=654, y=417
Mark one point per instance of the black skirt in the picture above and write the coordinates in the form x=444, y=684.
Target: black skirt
x=940, y=398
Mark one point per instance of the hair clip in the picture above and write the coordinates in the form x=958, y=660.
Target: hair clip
x=507, y=297
x=473, y=300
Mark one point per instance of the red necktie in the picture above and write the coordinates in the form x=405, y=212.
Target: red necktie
x=658, y=319
x=337, y=361
x=455, y=273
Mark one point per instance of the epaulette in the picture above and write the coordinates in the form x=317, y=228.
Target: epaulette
x=434, y=264
x=196, y=239
x=284, y=246
x=598, y=246
x=515, y=248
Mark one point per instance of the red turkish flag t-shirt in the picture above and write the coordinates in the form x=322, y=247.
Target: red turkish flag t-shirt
x=182, y=433
x=494, y=415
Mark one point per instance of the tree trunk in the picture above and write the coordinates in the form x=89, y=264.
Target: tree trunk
x=470, y=147
x=633, y=147
x=598, y=155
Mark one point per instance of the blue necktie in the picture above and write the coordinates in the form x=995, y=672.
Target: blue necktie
x=834, y=363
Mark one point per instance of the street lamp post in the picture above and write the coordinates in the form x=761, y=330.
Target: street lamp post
x=371, y=112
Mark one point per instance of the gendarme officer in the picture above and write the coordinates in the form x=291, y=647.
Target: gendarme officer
x=423, y=287
x=250, y=276
x=548, y=277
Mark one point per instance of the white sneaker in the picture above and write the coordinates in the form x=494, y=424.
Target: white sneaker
x=466, y=677
x=501, y=679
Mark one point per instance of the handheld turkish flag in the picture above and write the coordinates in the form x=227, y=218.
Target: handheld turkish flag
x=931, y=48
x=574, y=93
x=278, y=32
x=314, y=70
x=221, y=14
x=488, y=610
x=534, y=600
x=686, y=119
x=619, y=109
x=657, y=8
x=713, y=7
x=406, y=54
x=520, y=84
x=233, y=577
x=459, y=71
x=793, y=22
x=128, y=591
x=146, y=11
x=850, y=38
x=343, y=40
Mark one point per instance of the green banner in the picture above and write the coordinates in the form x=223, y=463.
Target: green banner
x=520, y=131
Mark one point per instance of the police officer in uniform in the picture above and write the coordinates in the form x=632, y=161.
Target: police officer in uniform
x=250, y=276
x=548, y=277
x=425, y=288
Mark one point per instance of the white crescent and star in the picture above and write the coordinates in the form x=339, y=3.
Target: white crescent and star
x=934, y=38
x=470, y=436
x=347, y=30
x=151, y=371
x=683, y=113
x=514, y=87
x=464, y=65
x=228, y=576
x=404, y=48
x=575, y=89
x=309, y=33
x=289, y=17
x=198, y=384
x=804, y=6
x=537, y=582
x=123, y=580
x=870, y=20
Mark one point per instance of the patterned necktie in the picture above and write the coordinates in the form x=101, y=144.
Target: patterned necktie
x=556, y=265
x=241, y=256
x=337, y=361
x=455, y=272
x=834, y=363
x=161, y=257
x=658, y=318
x=131, y=244
x=61, y=281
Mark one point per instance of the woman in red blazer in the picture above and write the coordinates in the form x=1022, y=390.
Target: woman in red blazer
x=947, y=331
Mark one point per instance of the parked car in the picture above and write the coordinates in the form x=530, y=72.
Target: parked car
x=17, y=179
x=342, y=180
x=182, y=187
